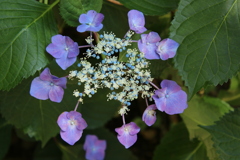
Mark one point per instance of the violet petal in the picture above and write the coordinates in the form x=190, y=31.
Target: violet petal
x=56, y=94
x=40, y=89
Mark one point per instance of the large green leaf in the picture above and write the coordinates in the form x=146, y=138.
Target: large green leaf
x=49, y=152
x=5, y=137
x=72, y=152
x=208, y=33
x=151, y=7
x=204, y=111
x=38, y=118
x=178, y=146
x=72, y=9
x=26, y=29
x=115, y=19
x=226, y=135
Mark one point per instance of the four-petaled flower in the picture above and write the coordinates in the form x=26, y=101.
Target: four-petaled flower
x=136, y=21
x=72, y=125
x=127, y=134
x=48, y=86
x=149, y=115
x=64, y=49
x=95, y=148
x=92, y=21
x=167, y=48
x=147, y=45
x=170, y=98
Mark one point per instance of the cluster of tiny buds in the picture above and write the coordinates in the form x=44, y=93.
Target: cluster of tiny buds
x=124, y=79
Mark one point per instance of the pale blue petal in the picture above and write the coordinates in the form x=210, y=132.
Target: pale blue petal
x=71, y=135
x=176, y=103
x=82, y=28
x=40, y=89
x=63, y=121
x=171, y=86
x=56, y=94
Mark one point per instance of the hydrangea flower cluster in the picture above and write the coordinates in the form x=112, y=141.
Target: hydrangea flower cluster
x=126, y=79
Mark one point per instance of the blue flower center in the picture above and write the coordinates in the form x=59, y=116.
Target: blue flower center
x=51, y=84
x=166, y=96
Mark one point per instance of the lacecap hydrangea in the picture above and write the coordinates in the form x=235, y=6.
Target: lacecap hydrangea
x=126, y=80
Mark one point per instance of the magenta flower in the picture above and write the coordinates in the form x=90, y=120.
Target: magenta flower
x=95, y=149
x=147, y=45
x=64, y=49
x=72, y=125
x=136, y=21
x=170, y=98
x=149, y=115
x=48, y=86
x=167, y=48
x=92, y=21
x=127, y=134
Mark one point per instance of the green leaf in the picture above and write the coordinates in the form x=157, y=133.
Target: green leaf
x=208, y=33
x=26, y=30
x=72, y=152
x=151, y=7
x=204, y=111
x=156, y=67
x=5, y=137
x=115, y=19
x=178, y=146
x=49, y=152
x=72, y=9
x=226, y=135
x=38, y=118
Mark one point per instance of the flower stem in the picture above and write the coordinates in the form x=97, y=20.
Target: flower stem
x=84, y=46
x=153, y=84
x=146, y=101
x=126, y=34
x=76, y=105
x=91, y=37
x=133, y=41
x=123, y=118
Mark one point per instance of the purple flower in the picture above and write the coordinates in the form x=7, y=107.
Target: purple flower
x=147, y=45
x=95, y=149
x=136, y=21
x=170, y=98
x=92, y=21
x=64, y=49
x=48, y=86
x=167, y=48
x=127, y=134
x=149, y=115
x=72, y=125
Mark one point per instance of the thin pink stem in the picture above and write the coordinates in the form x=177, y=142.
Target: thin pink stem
x=76, y=106
x=146, y=101
x=133, y=41
x=153, y=84
x=84, y=46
